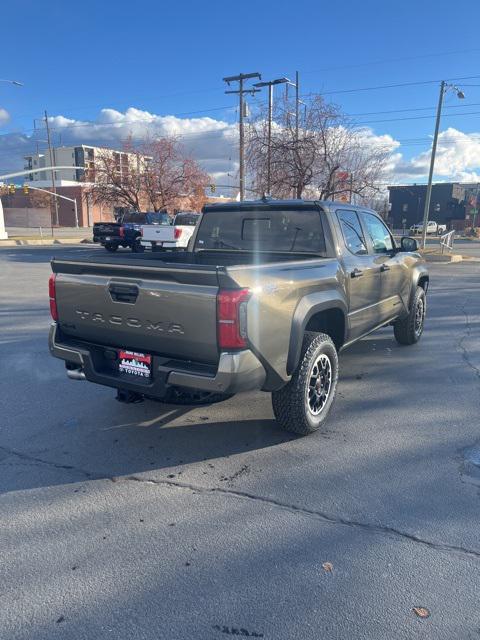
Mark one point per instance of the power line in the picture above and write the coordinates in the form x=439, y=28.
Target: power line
x=432, y=108
x=392, y=86
x=445, y=115
x=402, y=59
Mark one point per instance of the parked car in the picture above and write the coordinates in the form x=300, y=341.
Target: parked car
x=266, y=296
x=126, y=231
x=175, y=237
x=432, y=228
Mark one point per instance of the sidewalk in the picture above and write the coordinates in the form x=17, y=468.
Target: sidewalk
x=46, y=232
x=20, y=236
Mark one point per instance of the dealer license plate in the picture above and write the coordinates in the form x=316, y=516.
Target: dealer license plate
x=135, y=364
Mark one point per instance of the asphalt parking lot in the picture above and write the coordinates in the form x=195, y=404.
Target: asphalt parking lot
x=151, y=521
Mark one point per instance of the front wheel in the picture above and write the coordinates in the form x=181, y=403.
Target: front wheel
x=303, y=404
x=111, y=247
x=409, y=330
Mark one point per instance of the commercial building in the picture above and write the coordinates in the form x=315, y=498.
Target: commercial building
x=85, y=166
x=452, y=203
x=83, y=156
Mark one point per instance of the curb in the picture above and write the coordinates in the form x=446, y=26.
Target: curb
x=432, y=257
x=44, y=242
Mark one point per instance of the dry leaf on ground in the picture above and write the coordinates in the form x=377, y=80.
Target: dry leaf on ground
x=421, y=612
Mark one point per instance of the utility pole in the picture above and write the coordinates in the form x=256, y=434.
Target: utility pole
x=297, y=118
x=240, y=91
x=443, y=89
x=297, y=107
x=270, y=84
x=52, y=164
x=475, y=210
x=269, y=148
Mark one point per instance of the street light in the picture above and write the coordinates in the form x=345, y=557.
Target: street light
x=15, y=82
x=444, y=87
x=270, y=84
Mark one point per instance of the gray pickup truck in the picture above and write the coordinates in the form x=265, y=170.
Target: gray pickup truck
x=265, y=297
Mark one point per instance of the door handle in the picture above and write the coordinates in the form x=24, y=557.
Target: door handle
x=384, y=267
x=356, y=273
x=123, y=292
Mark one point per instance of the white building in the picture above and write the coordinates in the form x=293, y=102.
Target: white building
x=79, y=156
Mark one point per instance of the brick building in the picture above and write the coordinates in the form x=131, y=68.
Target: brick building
x=34, y=210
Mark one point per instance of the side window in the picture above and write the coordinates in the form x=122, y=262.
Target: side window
x=128, y=217
x=379, y=234
x=352, y=232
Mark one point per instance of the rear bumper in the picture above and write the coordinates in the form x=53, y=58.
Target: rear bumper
x=236, y=371
x=102, y=240
x=161, y=244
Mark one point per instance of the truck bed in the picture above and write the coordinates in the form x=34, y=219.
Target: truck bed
x=186, y=258
x=165, y=305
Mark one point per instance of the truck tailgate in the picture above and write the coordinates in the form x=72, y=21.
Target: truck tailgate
x=162, y=310
x=158, y=233
x=102, y=229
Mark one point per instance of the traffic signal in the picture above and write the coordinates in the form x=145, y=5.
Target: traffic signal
x=11, y=188
x=212, y=188
x=25, y=189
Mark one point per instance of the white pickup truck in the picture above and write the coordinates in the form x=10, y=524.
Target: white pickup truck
x=432, y=227
x=174, y=236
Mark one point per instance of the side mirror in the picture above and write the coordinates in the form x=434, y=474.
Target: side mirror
x=409, y=245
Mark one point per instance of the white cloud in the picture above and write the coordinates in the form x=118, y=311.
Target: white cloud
x=210, y=141
x=457, y=159
x=214, y=143
x=4, y=116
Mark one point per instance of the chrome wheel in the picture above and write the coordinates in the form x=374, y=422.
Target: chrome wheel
x=319, y=384
x=419, y=316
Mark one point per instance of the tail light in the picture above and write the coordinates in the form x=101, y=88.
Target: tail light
x=141, y=231
x=232, y=318
x=121, y=232
x=177, y=233
x=52, y=296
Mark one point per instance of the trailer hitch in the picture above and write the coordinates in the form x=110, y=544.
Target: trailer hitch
x=128, y=397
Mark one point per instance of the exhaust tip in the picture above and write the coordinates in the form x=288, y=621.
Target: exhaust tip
x=76, y=374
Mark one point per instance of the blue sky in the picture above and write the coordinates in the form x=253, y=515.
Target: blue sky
x=168, y=58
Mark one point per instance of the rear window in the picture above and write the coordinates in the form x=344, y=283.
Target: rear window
x=186, y=219
x=291, y=230
x=155, y=217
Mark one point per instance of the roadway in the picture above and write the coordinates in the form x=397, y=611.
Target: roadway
x=152, y=521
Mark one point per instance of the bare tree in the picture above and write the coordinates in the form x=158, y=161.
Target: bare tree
x=172, y=179
x=308, y=165
x=118, y=178
x=156, y=174
x=39, y=199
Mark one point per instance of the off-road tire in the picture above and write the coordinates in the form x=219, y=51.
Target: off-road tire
x=408, y=330
x=111, y=247
x=291, y=403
